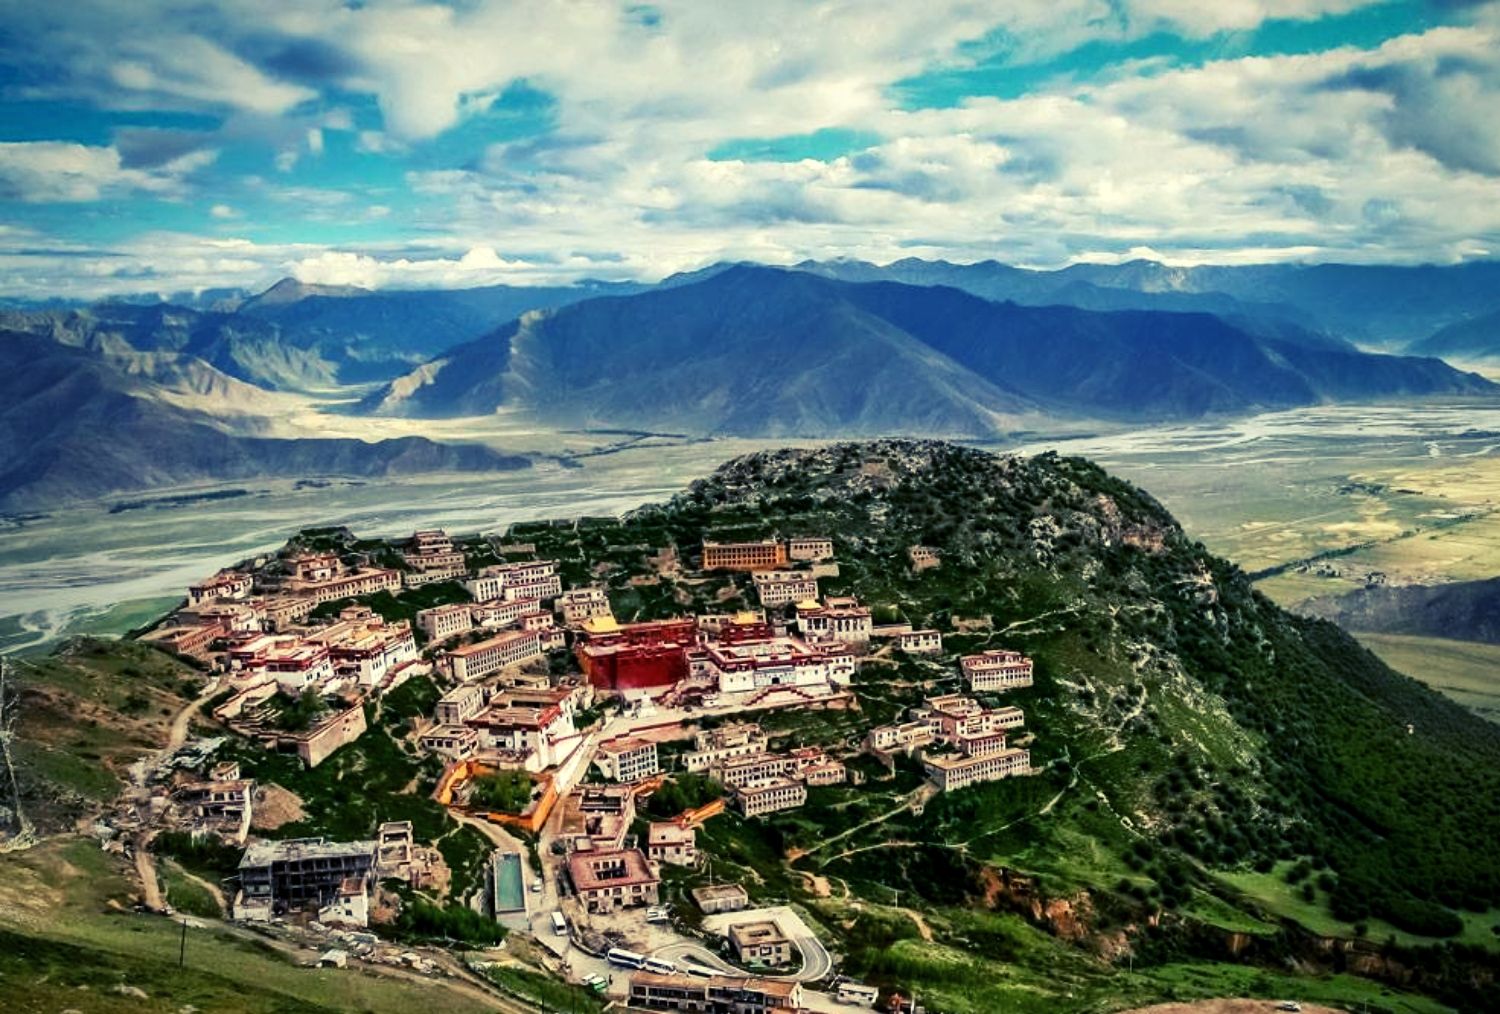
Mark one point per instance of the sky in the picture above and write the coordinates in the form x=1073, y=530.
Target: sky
x=181, y=146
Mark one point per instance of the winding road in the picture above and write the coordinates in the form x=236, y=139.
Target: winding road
x=817, y=963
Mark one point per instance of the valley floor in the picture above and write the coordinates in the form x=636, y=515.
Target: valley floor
x=1466, y=671
x=1323, y=497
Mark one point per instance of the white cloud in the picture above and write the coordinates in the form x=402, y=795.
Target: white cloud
x=1205, y=18
x=1385, y=154
x=375, y=142
x=63, y=172
x=223, y=211
x=190, y=68
x=478, y=266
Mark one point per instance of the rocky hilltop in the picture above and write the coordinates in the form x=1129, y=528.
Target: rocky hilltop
x=1194, y=739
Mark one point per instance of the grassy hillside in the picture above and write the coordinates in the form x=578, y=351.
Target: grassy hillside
x=68, y=941
x=86, y=712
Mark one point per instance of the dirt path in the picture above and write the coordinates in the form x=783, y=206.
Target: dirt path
x=498, y=836
x=1021, y=624
x=923, y=793
x=182, y=721
x=140, y=776
x=211, y=887
x=923, y=930
x=460, y=980
x=145, y=871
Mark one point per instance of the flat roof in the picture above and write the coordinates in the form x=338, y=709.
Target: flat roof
x=770, y=987
x=720, y=891
x=664, y=832
x=295, y=849
x=601, y=624
x=493, y=642
x=760, y=931
x=521, y=718
x=583, y=869
x=625, y=745
x=954, y=763
x=769, y=785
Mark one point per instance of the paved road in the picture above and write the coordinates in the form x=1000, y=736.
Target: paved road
x=817, y=963
x=687, y=953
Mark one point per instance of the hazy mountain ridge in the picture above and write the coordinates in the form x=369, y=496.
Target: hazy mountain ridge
x=243, y=347
x=75, y=426
x=1003, y=283
x=1474, y=339
x=1461, y=610
x=1392, y=306
x=302, y=337
x=764, y=351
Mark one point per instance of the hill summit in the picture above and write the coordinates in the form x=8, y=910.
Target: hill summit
x=1181, y=717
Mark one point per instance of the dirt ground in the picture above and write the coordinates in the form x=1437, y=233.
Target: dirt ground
x=1228, y=1007
x=274, y=807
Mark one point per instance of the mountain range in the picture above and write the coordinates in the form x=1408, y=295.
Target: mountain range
x=825, y=348
x=758, y=351
x=75, y=425
x=1472, y=340
x=1382, y=305
x=298, y=337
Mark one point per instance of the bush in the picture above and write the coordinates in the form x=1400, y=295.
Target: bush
x=684, y=791
x=422, y=920
x=302, y=713
x=208, y=857
x=504, y=792
x=1422, y=917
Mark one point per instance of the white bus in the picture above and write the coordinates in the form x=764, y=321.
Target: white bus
x=620, y=956
x=857, y=994
x=559, y=924
x=660, y=966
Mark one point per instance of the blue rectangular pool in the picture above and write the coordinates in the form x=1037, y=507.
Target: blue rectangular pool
x=510, y=887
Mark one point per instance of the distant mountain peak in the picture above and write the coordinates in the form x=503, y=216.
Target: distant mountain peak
x=290, y=290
